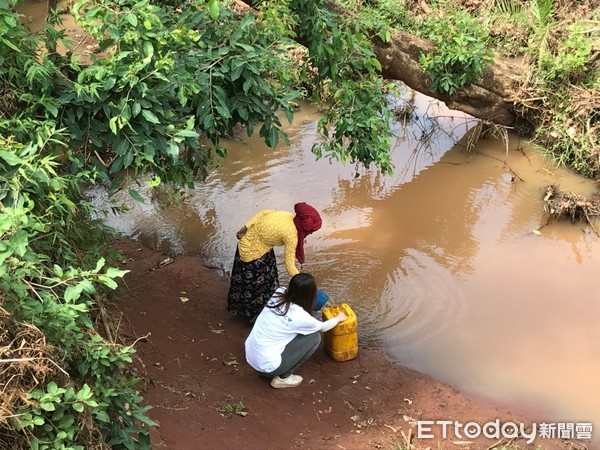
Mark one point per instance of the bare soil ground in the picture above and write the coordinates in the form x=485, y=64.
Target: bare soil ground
x=205, y=396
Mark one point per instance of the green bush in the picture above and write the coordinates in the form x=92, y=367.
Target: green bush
x=356, y=122
x=460, y=53
x=570, y=62
x=47, y=244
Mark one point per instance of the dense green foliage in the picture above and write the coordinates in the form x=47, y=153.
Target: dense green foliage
x=461, y=44
x=51, y=276
x=164, y=78
x=461, y=52
x=557, y=44
x=193, y=74
x=346, y=68
x=167, y=82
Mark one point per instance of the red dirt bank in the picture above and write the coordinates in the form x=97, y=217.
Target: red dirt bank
x=194, y=370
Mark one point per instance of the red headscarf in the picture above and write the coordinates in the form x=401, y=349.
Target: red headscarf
x=307, y=220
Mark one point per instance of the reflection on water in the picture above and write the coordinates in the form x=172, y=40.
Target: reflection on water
x=439, y=260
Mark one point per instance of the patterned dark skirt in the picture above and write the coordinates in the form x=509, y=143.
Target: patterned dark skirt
x=252, y=284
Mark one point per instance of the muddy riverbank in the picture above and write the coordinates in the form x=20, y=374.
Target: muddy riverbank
x=205, y=396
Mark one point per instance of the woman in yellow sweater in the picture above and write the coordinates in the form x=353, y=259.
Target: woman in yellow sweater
x=254, y=276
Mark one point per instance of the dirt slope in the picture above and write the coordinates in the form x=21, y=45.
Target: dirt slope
x=195, y=374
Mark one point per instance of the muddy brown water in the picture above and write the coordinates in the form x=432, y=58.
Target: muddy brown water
x=440, y=261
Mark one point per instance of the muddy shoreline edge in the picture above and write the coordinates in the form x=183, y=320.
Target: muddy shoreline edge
x=204, y=395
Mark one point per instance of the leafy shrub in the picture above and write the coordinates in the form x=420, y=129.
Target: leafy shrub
x=460, y=53
x=47, y=280
x=355, y=124
x=380, y=14
x=166, y=76
x=570, y=61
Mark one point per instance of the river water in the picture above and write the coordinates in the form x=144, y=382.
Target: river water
x=440, y=261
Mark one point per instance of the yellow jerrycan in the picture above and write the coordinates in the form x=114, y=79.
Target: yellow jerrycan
x=341, y=342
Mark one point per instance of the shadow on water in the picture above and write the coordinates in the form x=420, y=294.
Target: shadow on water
x=439, y=261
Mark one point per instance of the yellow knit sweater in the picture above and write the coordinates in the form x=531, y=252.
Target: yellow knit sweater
x=268, y=229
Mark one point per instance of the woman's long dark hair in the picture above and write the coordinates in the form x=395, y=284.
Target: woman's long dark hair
x=302, y=291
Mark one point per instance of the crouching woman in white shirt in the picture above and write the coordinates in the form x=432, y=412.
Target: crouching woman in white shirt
x=285, y=333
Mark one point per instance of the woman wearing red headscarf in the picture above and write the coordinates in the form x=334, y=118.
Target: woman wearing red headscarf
x=254, y=276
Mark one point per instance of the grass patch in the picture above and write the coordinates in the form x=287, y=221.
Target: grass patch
x=230, y=407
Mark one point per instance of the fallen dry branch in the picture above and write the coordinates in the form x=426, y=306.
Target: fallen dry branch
x=561, y=205
x=485, y=129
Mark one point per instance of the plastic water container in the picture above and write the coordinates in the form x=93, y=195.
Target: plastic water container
x=341, y=342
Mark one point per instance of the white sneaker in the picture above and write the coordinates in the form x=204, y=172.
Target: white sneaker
x=291, y=381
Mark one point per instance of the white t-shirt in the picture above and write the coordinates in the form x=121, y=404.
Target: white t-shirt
x=272, y=332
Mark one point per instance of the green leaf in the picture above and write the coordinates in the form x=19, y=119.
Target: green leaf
x=113, y=32
x=78, y=407
x=223, y=111
x=58, y=270
x=237, y=66
x=81, y=307
x=136, y=196
x=135, y=109
x=112, y=123
x=127, y=159
x=121, y=145
x=148, y=48
x=102, y=416
x=47, y=406
x=70, y=294
x=84, y=393
x=52, y=388
x=214, y=9
x=144, y=419
x=109, y=83
x=189, y=123
x=20, y=242
x=10, y=44
x=10, y=157
x=375, y=63
x=186, y=133
x=99, y=264
x=248, y=85
x=209, y=122
x=113, y=272
x=88, y=287
x=247, y=20
x=273, y=138
x=38, y=421
x=132, y=19
x=181, y=96
x=150, y=116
